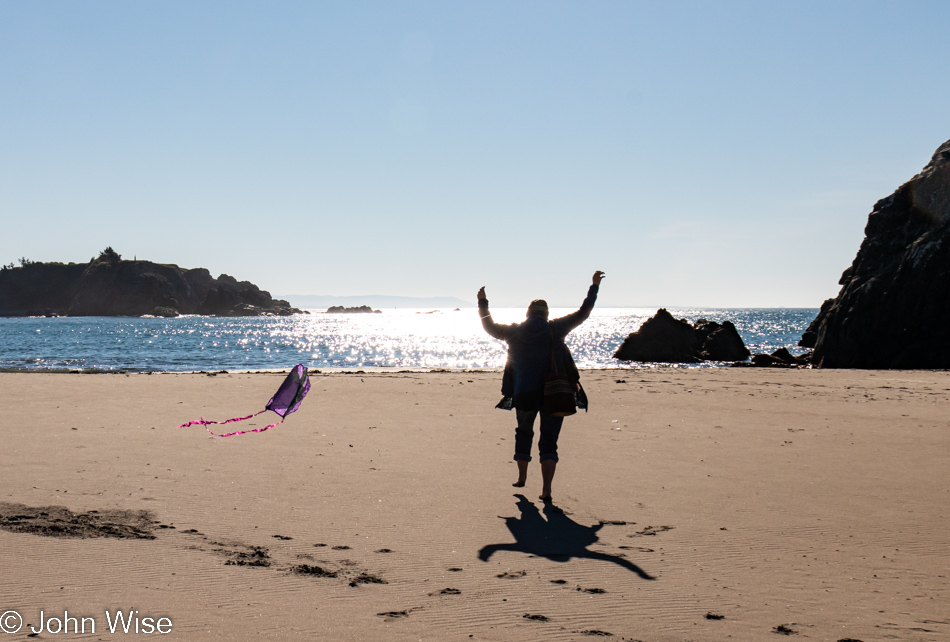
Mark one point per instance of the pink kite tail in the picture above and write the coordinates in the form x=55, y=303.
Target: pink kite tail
x=205, y=422
x=244, y=432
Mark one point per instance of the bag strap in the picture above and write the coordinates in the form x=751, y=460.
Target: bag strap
x=554, y=346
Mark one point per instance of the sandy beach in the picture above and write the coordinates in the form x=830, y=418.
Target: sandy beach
x=716, y=504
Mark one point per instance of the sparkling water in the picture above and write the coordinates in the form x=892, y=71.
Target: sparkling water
x=399, y=338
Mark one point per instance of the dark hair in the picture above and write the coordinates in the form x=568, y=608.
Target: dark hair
x=538, y=307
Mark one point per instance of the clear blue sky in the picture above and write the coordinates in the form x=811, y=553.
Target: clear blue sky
x=701, y=153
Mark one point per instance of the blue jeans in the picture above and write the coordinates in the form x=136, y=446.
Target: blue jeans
x=524, y=435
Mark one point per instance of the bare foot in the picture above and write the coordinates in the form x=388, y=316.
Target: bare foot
x=522, y=474
x=548, y=466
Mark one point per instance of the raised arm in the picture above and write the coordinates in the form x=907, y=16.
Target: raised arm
x=567, y=323
x=498, y=331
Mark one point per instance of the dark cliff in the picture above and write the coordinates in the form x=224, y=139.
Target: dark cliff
x=894, y=304
x=109, y=286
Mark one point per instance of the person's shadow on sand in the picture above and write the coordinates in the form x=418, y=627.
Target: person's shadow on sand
x=557, y=538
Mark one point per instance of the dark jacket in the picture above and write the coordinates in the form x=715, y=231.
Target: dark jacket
x=530, y=346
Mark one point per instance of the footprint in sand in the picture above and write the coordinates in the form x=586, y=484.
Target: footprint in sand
x=58, y=521
x=354, y=578
x=314, y=570
x=510, y=576
x=637, y=548
x=447, y=591
x=537, y=618
x=651, y=530
x=241, y=555
x=367, y=578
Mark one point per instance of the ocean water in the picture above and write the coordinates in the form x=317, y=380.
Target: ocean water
x=399, y=338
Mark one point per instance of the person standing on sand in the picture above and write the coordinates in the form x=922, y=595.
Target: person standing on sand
x=532, y=345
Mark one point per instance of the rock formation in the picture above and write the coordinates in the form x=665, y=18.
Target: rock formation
x=357, y=309
x=894, y=303
x=109, y=286
x=781, y=358
x=720, y=342
x=665, y=339
x=810, y=336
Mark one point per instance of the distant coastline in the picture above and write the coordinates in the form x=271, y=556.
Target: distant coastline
x=109, y=286
x=381, y=301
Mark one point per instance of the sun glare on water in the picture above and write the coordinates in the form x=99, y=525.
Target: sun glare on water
x=396, y=338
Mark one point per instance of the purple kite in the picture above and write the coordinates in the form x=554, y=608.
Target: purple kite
x=285, y=401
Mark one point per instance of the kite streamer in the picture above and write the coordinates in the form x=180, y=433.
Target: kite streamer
x=285, y=401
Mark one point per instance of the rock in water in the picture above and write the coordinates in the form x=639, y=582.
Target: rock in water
x=665, y=339
x=661, y=338
x=720, y=342
x=361, y=309
x=781, y=358
x=894, y=303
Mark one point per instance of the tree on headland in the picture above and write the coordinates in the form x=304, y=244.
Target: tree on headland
x=109, y=255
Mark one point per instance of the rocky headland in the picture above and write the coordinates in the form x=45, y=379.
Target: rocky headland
x=111, y=286
x=894, y=304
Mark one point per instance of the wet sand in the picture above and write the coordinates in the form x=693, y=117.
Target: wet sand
x=688, y=505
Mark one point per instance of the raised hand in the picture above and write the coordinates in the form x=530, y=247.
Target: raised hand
x=481, y=293
x=598, y=275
